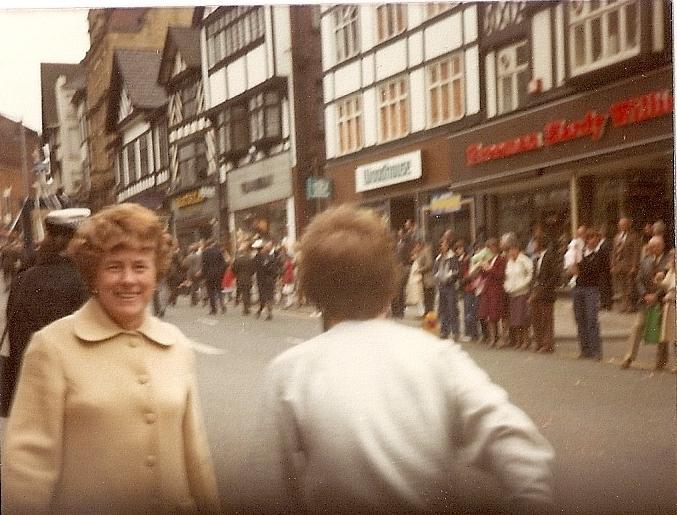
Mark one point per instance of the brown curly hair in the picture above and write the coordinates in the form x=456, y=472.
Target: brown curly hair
x=120, y=226
x=348, y=266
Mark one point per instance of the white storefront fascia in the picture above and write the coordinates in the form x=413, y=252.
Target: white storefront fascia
x=403, y=168
x=260, y=183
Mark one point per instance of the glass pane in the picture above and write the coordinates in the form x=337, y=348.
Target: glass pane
x=444, y=70
x=594, y=5
x=457, y=92
x=631, y=20
x=506, y=94
x=522, y=86
x=522, y=54
x=614, y=37
x=404, y=118
x=391, y=91
x=384, y=123
x=434, y=106
x=342, y=140
x=432, y=73
x=358, y=132
x=456, y=65
x=445, y=102
x=273, y=122
x=393, y=119
x=596, y=34
x=579, y=45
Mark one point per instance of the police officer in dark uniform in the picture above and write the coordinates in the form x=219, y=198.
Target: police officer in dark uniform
x=51, y=289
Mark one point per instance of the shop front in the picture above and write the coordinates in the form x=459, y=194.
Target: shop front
x=195, y=215
x=260, y=200
x=587, y=159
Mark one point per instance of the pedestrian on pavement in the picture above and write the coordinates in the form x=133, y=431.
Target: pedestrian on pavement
x=624, y=263
x=667, y=287
x=547, y=276
x=288, y=277
x=45, y=292
x=407, y=237
x=468, y=285
x=213, y=268
x=267, y=272
x=445, y=271
x=425, y=266
x=106, y=415
x=606, y=289
x=370, y=416
x=176, y=274
x=193, y=266
x=588, y=272
x=244, y=269
x=492, y=297
x=650, y=293
x=414, y=288
x=519, y=271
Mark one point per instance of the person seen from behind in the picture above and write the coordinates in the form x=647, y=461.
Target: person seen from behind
x=371, y=415
x=106, y=417
x=49, y=290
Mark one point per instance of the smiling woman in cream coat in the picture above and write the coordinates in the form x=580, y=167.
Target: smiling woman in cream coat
x=106, y=417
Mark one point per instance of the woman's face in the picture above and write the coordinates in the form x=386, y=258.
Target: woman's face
x=125, y=282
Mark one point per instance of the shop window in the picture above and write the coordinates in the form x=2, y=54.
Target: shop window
x=602, y=32
x=346, y=34
x=233, y=131
x=512, y=76
x=189, y=101
x=391, y=19
x=445, y=90
x=349, y=125
x=192, y=162
x=237, y=28
x=265, y=123
x=393, y=109
x=432, y=9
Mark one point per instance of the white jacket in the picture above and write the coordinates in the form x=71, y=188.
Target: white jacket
x=518, y=275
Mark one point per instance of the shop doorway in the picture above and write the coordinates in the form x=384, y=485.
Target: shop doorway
x=401, y=209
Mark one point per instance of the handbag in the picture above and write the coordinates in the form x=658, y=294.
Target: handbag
x=652, y=325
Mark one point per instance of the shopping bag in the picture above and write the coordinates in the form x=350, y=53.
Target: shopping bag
x=652, y=326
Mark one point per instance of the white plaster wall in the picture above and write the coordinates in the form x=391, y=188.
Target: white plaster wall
x=417, y=100
x=347, y=79
x=415, y=14
x=472, y=80
x=391, y=59
x=443, y=36
x=330, y=130
x=217, y=87
x=282, y=39
x=470, y=24
x=328, y=87
x=236, y=77
x=541, y=45
x=256, y=66
x=367, y=70
x=490, y=77
x=370, y=117
x=270, y=58
x=367, y=26
x=327, y=42
x=415, y=48
x=559, y=44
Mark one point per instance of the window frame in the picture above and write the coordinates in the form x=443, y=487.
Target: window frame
x=586, y=18
x=433, y=9
x=197, y=158
x=189, y=97
x=346, y=18
x=261, y=114
x=514, y=74
x=238, y=27
x=387, y=13
x=442, y=83
x=349, y=124
x=228, y=126
x=385, y=107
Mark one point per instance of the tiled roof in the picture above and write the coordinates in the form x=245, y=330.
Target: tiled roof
x=187, y=41
x=139, y=70
x=49, y=73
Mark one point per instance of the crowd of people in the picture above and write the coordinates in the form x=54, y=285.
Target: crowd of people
x=508, y=289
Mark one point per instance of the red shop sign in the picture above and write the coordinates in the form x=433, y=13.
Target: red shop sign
x=592, y=124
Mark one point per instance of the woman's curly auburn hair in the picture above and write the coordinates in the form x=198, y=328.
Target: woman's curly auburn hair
x=120, y=226
x=348, y=266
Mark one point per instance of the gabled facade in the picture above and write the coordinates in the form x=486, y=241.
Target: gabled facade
x=192, y=196
x=111, y=29
x=398, y=79
x=577, y=117
x=249, y=74
x=136, y=120
x=60, y=128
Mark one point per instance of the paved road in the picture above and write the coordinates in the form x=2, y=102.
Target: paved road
x=613, y=430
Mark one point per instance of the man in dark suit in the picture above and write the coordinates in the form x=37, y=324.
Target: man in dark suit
x=547, y=276
x=648, y=291
x=624, y=262
x=213, y=268
x=244, y=269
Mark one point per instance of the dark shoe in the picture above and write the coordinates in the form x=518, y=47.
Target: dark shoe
x=546, y=350
x=213, y=312
x=258, y=314
x=659, y=367
x=245, y=312
x=269, y=316
x=626, y=363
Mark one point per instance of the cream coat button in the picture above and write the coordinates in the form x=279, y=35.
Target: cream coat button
x=151, y=418
x=151, y=460
x=133, y=343
x=143, y=379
